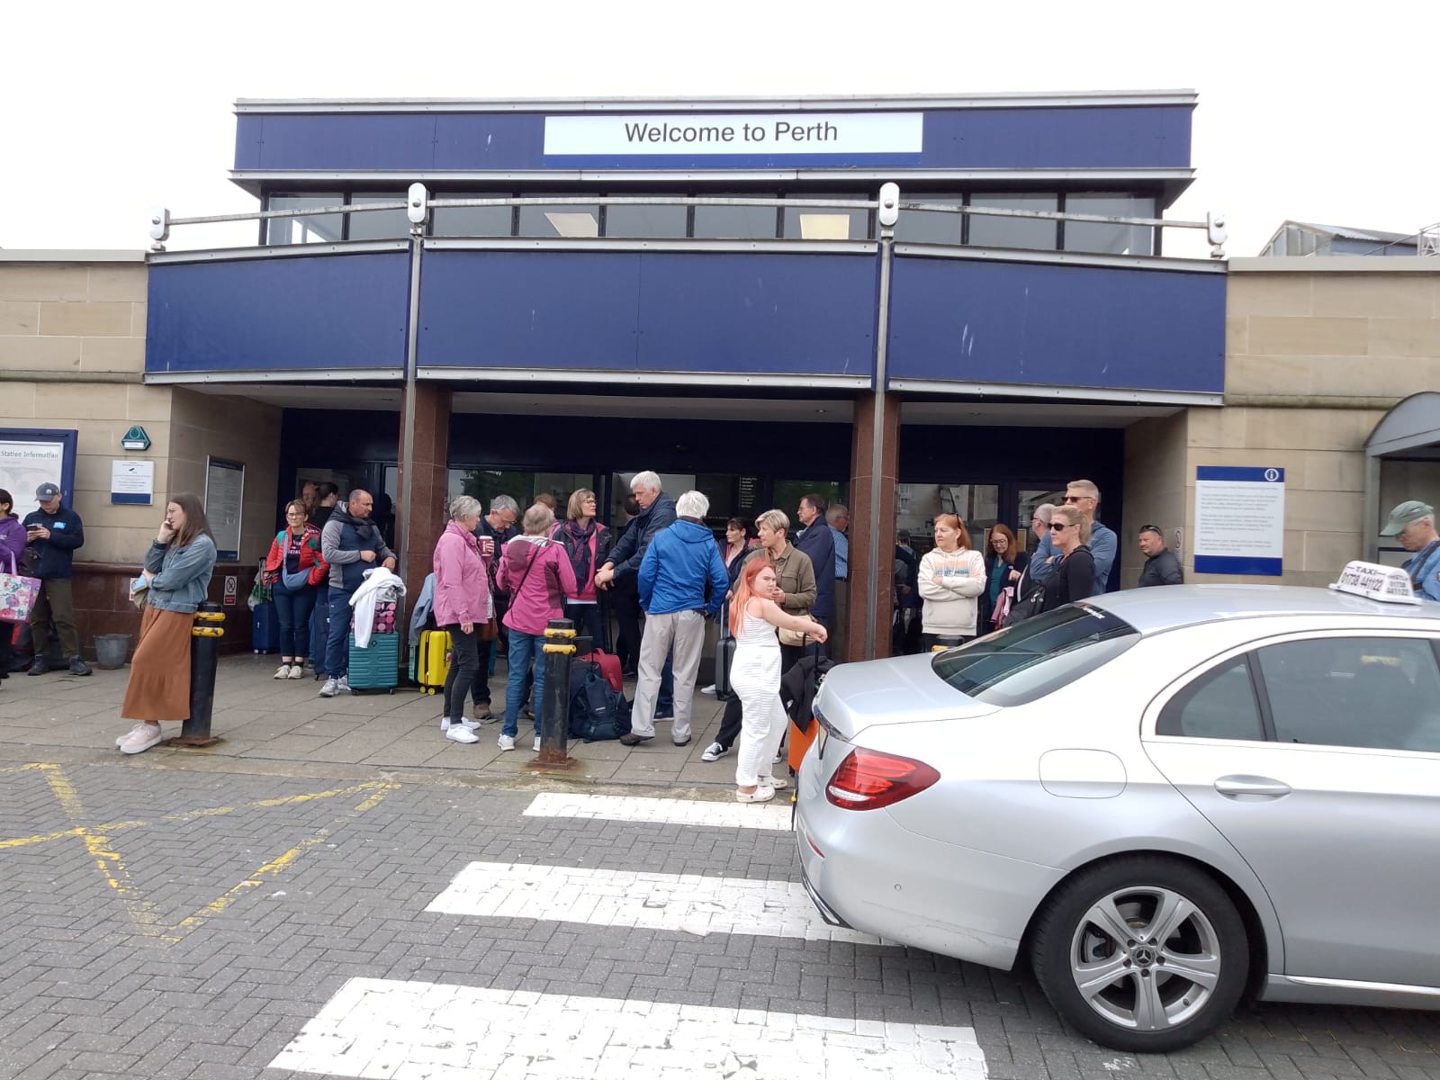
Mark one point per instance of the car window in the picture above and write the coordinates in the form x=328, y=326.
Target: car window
x=1220, y=704
x=1036, y=657
x=1382, y=693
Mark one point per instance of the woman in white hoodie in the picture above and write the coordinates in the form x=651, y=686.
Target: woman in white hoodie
x=951, y=578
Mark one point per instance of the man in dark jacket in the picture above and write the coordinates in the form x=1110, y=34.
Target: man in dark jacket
x=817, y=541
x=52, y=535
x=351, y=544
x=1161, y=565
x=657, y=511
x=682, y=579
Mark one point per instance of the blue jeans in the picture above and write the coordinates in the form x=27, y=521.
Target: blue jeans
x=337, y=649
x=320, y=627
x=292, y=609
x=524, y=649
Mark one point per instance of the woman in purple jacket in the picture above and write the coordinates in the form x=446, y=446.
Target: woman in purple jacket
x=462, y=608
x=12, y=551
x=537, y=574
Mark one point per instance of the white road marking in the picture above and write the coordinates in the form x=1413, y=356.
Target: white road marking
x=692, y=903
x=770, y=816
x=382, y=1028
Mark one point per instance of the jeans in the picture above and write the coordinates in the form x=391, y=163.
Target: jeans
x=484, y=657
x=55, y=608
x=337, y=649
x=292, y=609
x=320, y=627
x=464, y=664
x=524, y=649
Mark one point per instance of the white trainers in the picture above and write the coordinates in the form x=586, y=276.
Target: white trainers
x=710, y=690
x=713, y=752
x=342, y=686
x=460, y=733
x=446, y=724
x=141, y=739
x=133, y=731
x=282, y=672
x=297, y=671
x=331, y=688
x=536, y=747
x=506, y=742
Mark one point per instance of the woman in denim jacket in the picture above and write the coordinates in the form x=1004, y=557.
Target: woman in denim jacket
x=177, y=575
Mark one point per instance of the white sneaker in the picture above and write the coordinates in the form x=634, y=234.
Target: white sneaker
x=713, y=752
x=133, y=731
x=506, y=742
x=760, y=794
x=342, y=686
x=536, y=747
x=330, y=689
x=460, y=733
x=446, y=724
x=282, y=672
x=297, y=671
x=708, y=689
x=141, y=739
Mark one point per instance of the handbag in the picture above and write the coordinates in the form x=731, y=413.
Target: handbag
x=488, y=630
x=1003, y=603
x=793, y=637
x=17, y=594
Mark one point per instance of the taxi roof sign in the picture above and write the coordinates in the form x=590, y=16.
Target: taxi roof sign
x=1388, y=584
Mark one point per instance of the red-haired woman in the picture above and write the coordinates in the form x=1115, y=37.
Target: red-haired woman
x=755, y=675
x=951, y=577
x=1004, y=563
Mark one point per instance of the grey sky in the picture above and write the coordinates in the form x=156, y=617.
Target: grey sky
x=1319, y=113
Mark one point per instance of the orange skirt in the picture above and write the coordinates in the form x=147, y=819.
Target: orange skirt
x=159, y=686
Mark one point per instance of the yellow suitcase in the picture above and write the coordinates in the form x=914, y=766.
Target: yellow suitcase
x=434, y=660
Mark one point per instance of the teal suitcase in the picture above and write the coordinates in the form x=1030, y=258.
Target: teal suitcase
x=376, y=667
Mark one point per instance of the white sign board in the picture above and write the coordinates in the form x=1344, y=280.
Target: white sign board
x=25, y=465
x=224, y=496
x=132, y=481
x=734, y=134
x=1239, y=520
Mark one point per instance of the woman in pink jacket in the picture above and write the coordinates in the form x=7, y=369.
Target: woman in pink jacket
x=463, y=608
x=537, y=574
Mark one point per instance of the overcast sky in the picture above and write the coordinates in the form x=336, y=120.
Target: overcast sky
x=112, y=110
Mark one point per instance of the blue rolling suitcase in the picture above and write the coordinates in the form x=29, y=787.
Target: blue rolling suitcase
x=265, y=629
x=376, y=667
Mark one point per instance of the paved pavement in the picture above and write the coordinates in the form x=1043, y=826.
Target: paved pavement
x=335, y=890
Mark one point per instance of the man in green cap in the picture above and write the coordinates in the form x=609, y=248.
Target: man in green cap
x=1413, y=524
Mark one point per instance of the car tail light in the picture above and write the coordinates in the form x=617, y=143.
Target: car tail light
x=868, y=780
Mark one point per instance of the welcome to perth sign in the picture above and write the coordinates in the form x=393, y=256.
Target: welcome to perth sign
x=738, y=133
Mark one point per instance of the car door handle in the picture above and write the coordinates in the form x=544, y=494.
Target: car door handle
x=1262, y=786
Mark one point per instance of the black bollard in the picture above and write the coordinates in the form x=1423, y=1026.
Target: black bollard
x=555, y=714
x=205, y=638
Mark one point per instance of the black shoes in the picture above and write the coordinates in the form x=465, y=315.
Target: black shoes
x=78, y=666
x=38, y=666
x=631, y=739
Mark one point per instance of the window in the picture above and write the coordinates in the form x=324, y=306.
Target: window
x=930, y=226
x=1010, y=232
x=646, y=222
x=321, y=229
x=471, y=220
x=737, y=222
x=1043, y=654
x=1382, y=693
x=379, y=224
x=566, y=221
x=1220, y=704
x=825, y=222
x=1110, y=239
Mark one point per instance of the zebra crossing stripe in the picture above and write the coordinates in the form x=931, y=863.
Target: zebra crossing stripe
x=692, y=903
x=382, y=1028
x=558, y=804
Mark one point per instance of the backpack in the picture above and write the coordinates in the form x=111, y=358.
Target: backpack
x=597, y=711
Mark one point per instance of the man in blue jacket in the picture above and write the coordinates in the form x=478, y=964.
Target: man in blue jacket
x=682, y=579
x=53, y=533
x=657, y=512
x=817, y=541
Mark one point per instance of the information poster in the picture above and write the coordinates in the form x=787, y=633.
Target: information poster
x=132, y=481
x=224, y=496
x=25, y=464
x=1239, y=520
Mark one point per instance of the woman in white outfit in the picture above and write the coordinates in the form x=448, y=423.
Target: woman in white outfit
x=755, y=676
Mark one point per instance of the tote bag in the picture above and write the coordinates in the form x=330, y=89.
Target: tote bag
x=17, y=595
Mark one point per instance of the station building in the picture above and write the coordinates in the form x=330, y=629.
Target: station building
x=712, y=289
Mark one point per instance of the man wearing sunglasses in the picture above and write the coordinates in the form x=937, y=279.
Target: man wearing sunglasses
x=1085, y=497
x=1161, y=565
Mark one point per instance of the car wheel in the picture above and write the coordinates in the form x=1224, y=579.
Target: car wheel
x=1143, y=953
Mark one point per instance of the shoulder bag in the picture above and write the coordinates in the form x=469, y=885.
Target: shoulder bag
x=17, y=594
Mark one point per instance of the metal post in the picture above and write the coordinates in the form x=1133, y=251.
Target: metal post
x=417, y=215
x=559, y=649
x=205, y=638
x=877, y=433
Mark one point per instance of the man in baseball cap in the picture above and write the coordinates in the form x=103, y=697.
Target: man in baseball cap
x=1413, y=524
x=54, y=532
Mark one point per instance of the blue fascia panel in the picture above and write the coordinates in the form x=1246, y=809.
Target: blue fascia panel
x=322, y=312
x=1057, y=325
x=719, y=313
x=1236, y=564
x=1084, y=137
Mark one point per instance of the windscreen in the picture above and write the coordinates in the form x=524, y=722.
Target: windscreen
x=1036, y=657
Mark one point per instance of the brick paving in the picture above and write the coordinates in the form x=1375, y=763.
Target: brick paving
x=183, y=914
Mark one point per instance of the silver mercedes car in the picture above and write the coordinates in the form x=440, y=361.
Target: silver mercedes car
x=1161, y=800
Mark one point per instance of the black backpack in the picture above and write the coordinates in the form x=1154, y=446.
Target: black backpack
x=597, y=712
